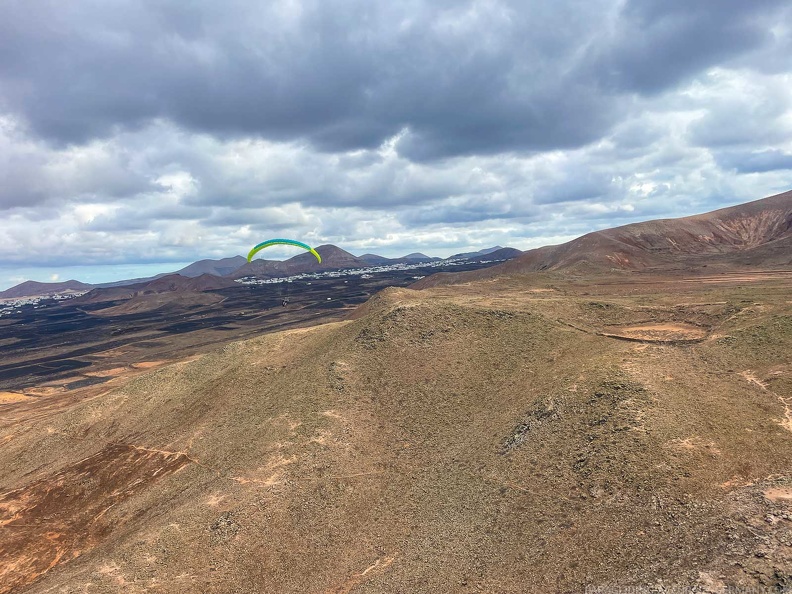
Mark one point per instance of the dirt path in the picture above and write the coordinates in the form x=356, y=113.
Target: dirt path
x=786, y=422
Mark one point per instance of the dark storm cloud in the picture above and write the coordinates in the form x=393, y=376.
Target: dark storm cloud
x=33, y=174
x=455, y=78
x=775, y=56
x=658, y=43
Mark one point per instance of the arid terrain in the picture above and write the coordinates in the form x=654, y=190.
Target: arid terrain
x=515, y=431
x=753, y=237
x=537, y=433
x=60, y=346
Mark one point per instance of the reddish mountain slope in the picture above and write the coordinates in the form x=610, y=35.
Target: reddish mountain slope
x=757, y=233
x=214, y=267
x=172, y=283
x=176, y=282
x=506, y=253
x=33, y=288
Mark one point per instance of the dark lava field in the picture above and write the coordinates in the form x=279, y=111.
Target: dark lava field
x=64, y=344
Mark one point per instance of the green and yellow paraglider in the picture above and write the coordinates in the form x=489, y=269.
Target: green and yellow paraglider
x=269, y=242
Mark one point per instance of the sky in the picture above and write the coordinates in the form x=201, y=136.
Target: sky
x=137, y=136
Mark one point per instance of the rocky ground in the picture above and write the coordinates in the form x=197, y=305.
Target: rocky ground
x=538, y=433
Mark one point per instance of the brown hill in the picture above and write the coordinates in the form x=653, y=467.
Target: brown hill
x=258, y=268
x=176, y=282
x=174, y=301
x=333, y=258
x=476, y=254
x=172, y=283
x=35, y=289
x=496, y=437
x=755, y=233
x=220, y=267
x=506, y=253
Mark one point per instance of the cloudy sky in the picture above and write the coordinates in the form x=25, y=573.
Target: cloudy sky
x=139, y=135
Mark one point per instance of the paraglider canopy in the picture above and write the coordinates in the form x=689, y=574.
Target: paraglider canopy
x=269, y=242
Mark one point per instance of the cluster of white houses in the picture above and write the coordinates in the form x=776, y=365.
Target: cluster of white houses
x=366, y=272
x=11, y=306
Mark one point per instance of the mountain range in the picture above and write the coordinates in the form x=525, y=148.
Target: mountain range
x=757, y=233
x=29, y=288
x=225, y=270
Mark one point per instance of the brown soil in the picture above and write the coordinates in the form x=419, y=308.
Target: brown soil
x=45, y=390
x=115, y=371
x=779, y=494
x=12, y=397
x=485, y=437
x=121, y=371
x=741, y=278
x=148, y=364
x=658, y=332
x=59, y=517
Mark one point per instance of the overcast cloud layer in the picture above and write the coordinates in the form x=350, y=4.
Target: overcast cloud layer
x=136, y=132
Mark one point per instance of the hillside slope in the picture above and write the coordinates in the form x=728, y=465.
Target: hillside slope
x=751, y=234
x=172, y=285
x=506, y=253
x=220, y=267
x=34, y=288
x=498, y=437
